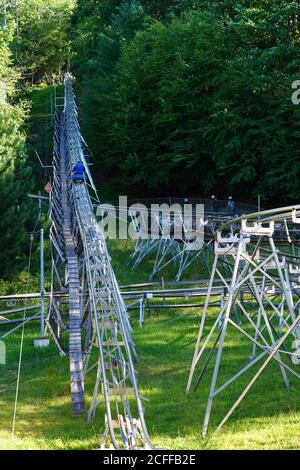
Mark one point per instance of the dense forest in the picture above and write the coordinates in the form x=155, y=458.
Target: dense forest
x=33, y=42
x=15, y=174
x=191, y=97
x=177, y=97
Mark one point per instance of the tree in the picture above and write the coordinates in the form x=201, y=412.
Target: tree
x=41, y=45
x=15, y=174
x=89, y=20
x=195, y=102
x=96, y=76
x=164, y=87
x=254, y=125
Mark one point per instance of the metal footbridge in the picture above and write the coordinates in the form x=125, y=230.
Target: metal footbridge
x=94, y=318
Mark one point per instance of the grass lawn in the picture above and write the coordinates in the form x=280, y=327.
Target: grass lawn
x=269, y=417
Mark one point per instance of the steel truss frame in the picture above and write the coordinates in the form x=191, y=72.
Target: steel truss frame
x=267, y=316
x=97, y=316
x=181, y=251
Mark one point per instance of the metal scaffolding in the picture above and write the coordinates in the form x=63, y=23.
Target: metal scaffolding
x=97, y=317
x=181, y=238
x=261, y=301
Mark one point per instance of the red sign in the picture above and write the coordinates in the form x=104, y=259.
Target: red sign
x=48, y=188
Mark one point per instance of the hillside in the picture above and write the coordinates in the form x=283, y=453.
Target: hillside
x=267, y=419
x=192, y=104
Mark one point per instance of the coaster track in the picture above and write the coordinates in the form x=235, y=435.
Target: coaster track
x=254, y=289
x=261, y=302
x=97, y=319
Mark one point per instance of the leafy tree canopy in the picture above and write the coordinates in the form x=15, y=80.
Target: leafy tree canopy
x=194, y=102
x=15, y=175
x=41, y=44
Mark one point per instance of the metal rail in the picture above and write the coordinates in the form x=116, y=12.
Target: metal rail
x=273, y=278
x=97, y=313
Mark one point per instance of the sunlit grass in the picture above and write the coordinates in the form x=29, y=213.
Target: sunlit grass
x=268, y=418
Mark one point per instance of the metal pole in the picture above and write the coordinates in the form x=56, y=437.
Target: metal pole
x=196, y=357
x=271, y=356
x=40, y=209
x=42, y=284
x=51, y=108
x=230, y=300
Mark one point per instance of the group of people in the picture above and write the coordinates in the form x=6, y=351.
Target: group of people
x=231, y=205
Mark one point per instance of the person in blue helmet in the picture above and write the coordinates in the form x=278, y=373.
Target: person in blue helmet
x=78, y=173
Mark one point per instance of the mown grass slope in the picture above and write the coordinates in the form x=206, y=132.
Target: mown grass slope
x=269, y=417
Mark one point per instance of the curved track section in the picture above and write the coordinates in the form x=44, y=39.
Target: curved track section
x=97, y=311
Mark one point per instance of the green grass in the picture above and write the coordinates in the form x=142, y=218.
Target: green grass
x=269, y=417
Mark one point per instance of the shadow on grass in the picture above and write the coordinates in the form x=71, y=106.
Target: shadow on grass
x=173, y=418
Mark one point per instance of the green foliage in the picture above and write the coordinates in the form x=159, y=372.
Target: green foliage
x=7, y=75
x=97, y=45
x=159, y=107
x=195, y=103
x=97, y=73
x=256, y=137
x=40, y=128
x=90, y=18
x=42, y=41
x=15, y=175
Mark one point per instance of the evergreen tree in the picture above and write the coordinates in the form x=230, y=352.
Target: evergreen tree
x=90, y=19
x=196, y=102
x=164, y=88
x=15, y=174
x=97, y=78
